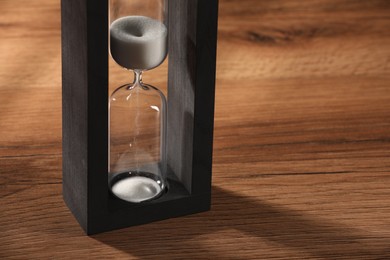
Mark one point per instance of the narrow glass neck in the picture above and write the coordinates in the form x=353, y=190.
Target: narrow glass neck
x=137, y=77
x=137, y=81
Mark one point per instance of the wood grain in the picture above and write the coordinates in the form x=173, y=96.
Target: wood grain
x=301, y=164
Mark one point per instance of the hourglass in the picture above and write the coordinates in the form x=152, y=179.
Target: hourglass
x=137, y=111
x=130, y=156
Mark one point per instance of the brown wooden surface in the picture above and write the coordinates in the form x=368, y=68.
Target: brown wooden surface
x=302, y=139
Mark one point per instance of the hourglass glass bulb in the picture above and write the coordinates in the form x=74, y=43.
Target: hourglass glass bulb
x=137, y=112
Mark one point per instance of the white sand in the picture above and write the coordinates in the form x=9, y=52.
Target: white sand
x=138, y=42
x=136, y=189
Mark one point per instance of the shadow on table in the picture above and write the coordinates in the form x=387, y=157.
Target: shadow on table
x=258, y=219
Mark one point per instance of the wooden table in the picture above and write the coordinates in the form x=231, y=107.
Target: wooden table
x=302, y=139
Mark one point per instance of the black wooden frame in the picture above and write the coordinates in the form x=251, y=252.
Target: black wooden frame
x=191, y=90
